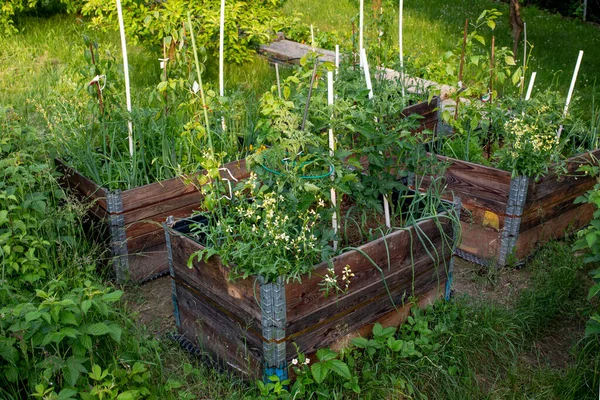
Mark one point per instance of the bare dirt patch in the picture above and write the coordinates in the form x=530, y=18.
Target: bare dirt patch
x=152, y=306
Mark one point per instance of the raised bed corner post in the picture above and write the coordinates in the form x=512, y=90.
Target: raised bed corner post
x=455, y=237
x=273, y=306
x=118, y=239
x=169, y=224
x=514, y=211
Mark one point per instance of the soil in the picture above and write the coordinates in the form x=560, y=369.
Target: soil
x=482, y=284
x=152, y=306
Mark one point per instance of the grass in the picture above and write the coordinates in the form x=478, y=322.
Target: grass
x=435, y=26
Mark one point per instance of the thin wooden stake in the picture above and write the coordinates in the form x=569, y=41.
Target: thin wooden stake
x=126, y=71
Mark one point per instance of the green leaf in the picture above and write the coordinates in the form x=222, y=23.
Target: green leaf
x=97, y=329
x=326, y=354
x=30, y=316
x=112, y=297
x=360, y=342
x=591, y=238
x=510, y=60
x=85, y=306
x=340, y=368
x=319, y=372
x=480, y=39
x=491, y=24
x=128, y=395
x=594, y=290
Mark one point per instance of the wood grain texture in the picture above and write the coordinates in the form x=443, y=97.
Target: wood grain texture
x=480, y=241
x=306, y=297
x=222, y=338
x=241, y=298
x=558, y=227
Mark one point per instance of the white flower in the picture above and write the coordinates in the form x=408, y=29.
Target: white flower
x=195, y=87
x=306, y=361
x=295, y=361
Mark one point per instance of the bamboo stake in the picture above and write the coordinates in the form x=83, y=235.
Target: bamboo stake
x=163, y=64
x=530, y=88
x=571, y=89
x=330, y=96
x=126, y=71
x=400, y=43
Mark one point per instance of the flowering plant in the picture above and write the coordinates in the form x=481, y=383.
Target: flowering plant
x=267, y=231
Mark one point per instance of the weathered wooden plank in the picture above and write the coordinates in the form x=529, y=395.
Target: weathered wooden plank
x=380, y=305
x=224, y=339
x=164, y=191
x=153, y=224
x=550, y=183
x=402, y=278
x=291, y=52
x=553, y=206
x=149, y=262
x=480, y=241
x=392, y=319
x=555, y=228
x=306, y=297
x=474, y=181
x=240, y=297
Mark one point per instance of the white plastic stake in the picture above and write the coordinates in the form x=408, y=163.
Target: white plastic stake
x=400, y=42
x=365, y=64
x=360, y=28
x=530, y=88
x=330, y=96
x=337, y=58
x=573, y=81
x=277, y=76
x=126, y=71
x=221, y=57
x=221, y=49
x=571, y=89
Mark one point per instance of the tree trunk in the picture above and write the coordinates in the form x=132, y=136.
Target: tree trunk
x=516, y=23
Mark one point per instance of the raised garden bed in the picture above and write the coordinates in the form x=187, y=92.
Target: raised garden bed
x=132, y=218
x=252, y=326
x=507, y=218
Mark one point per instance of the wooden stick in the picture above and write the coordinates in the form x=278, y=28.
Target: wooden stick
x=164, y=65
x=126, y=71
x=97, y=82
